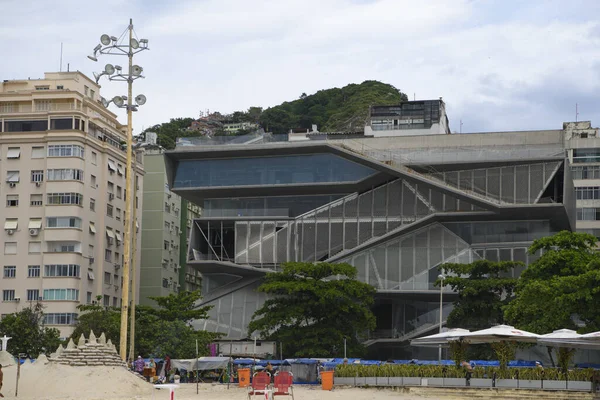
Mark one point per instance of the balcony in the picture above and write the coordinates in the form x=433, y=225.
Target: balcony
x=38, y=108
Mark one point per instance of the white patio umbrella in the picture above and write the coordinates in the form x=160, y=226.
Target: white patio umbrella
x=500, y=333
x=559, y=338
x=591, y=336
x=588, y=341
x=438, y=339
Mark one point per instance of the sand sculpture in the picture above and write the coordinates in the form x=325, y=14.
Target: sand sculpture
x=88, y=352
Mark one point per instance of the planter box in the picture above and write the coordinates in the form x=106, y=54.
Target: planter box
x=360, y=381
x=481, y=382
x=555, y=385
x=395, y=381
x=371, y=381
x=383, y=381
x=432, y=382
x=527, y=384
x=578, y=385
x=411, y=381
x=455, y=382
x=506, y=383
x=343, y=381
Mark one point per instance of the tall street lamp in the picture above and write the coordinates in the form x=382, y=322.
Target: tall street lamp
x=120, y=46
x=441, y=278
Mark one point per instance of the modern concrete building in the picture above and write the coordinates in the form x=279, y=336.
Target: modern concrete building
x=395, y=208
x=63, y=183
x=165, y=221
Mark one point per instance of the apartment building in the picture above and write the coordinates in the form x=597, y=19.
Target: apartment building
x=583, y=150
x=62, y=164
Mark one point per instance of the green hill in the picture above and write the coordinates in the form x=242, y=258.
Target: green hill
x=332, y=110
x=336, y=109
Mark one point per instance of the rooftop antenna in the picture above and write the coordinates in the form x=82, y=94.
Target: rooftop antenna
x=576, y=111
x=61, y=52
x=461, y=126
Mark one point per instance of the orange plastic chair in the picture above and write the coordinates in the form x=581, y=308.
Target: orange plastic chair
x=260, y=384
x=283, y=384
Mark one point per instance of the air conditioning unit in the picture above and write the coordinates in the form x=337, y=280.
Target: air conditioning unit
x=111, y=196
x=17, y=299
x=12, y=184
x=34, y=232
x=91, y=260
x=38, y=184
x=10, y=231
x=117, y=266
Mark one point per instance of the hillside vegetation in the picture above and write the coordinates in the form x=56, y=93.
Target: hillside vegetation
x=332, y=110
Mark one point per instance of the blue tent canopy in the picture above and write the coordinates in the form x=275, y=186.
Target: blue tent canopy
x=245, y=361
x=304, y=361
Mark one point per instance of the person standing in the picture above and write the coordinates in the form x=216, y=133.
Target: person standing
x=139, y=365
x=1, y=379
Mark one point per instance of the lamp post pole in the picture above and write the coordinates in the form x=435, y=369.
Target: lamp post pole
x=441, y=278
x=133, y=224
x=113, y=45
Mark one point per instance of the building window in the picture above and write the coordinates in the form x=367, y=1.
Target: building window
x=35, y=247
x=107, y=278
x=26, y=126
x=588, y=214
x=109, y=210
x=10, y=271
x=65, y=150
x=93, y=181
x=65, y=175
x=62, y=270
x=86, y=90
x=12, y=177
x=33, y=271
x=118, y=214
x=587, y=193
x=119, y=192
x=92, y=205
x=8, y=295
x=89, y=298
x=37, y=176
x=12, y=200
x=33, y=294
x=107, y=255
x=92, y=93
x=63, y=222
x=61, y=124
x=586, y=155
x=94, y=157
x=61, y=294
x=61, y=247
x=36, y=200
x=60, y=318
x=38, y=152
x=64, y=198
x=165, y=283
x=45, y=87
x=112, y=167
x=166, y=245
x=106, y=300
x=167, y=207
x=10, y=247
x=13, y=153
x=167, y=225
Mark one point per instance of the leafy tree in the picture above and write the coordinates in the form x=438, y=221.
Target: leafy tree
x=313, y=307
x=97, y=318
x=483, y=288
x=177, y=307
x=28, y=331
x=562, y=284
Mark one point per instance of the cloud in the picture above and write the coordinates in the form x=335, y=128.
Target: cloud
x=499, y=65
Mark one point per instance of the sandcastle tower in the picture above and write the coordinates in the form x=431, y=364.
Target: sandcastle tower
x=91, y=352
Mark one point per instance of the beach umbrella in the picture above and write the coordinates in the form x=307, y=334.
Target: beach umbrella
x=560, y=338
x=589, y=341
x=500, y=333
x=438, y=339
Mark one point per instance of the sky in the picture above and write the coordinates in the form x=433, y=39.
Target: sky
x=499, y=65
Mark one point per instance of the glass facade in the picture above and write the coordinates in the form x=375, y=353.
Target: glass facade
x=285, y=170
x=586, y=156
x=396, y=233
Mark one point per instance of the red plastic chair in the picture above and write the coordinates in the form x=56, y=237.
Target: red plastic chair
x=260, y=384
x=283, y=384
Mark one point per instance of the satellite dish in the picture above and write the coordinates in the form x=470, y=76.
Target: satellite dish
x=134, y=43
x=105, y=39
x=136, y=70
x=140, y=99
x=118, y=100
x=109, y=69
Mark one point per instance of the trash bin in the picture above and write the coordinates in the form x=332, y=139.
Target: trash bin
x=327, y=380
x=244, y=377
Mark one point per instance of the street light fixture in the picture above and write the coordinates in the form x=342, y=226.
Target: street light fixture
x=111, y=45
x=441, y=277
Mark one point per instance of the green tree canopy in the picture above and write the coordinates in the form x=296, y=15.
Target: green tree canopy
x=483, y=288
x=563, y=283
x=29, y=334
x=313, y=307
x=160, y=331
